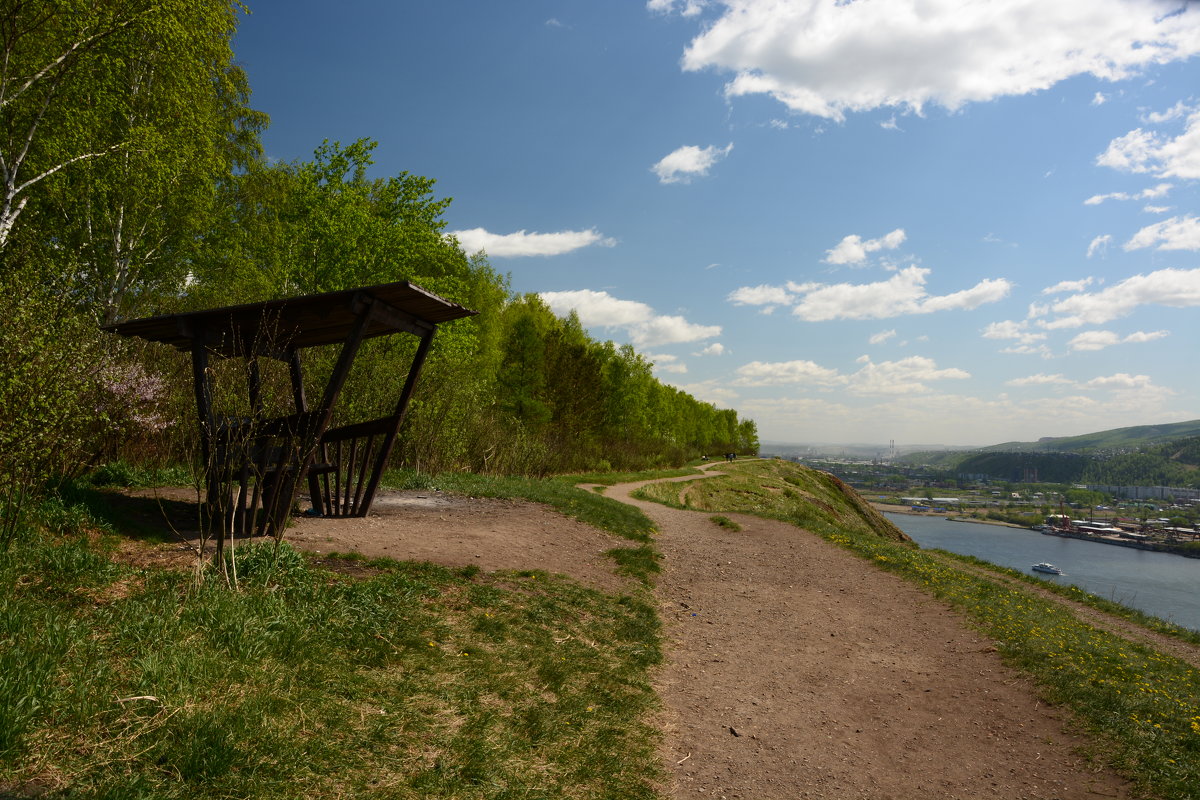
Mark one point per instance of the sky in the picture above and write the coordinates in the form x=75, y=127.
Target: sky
x=957, y=222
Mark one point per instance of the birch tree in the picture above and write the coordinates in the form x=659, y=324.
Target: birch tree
x=44, y=47
x=120, y=119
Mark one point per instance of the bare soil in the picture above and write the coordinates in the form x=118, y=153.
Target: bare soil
x=795, y=669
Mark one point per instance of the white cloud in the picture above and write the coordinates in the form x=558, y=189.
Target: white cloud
x=762, y=295
x=644, y=327
x=1161, y=190
x=521, y=243
x=670, y=330
x=687, y=8
x=1099, y=245
x=664, y=362
x=1028, y=350
x=882, y=336
x=765, y=373
x=1174, y=288
x=1094, y=340
x=1124, y=381
x=1099, y=99
x=906, y=376
x=688, y=162
x=1098, y=340
x=1040, y=380
x=853, y=250
x=1069, y=286
x=1008, y=329
x=1139, y=337
x=829, y=58
x=714, y=349
x=903, y=293
x=1176, y=233
x=1155, y=209
x=1142, y=151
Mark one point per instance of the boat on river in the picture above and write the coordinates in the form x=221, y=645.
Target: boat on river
x=1047, y=568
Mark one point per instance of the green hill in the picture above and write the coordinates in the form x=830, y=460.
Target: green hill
x=1116, y=439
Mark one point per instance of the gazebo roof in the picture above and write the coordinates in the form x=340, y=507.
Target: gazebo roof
x=298, y=322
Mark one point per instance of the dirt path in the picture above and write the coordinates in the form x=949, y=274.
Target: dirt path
x=797, y=670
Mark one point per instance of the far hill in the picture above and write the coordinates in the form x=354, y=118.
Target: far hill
x=1116, y=439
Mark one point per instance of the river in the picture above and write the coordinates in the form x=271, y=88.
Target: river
x=1162, y=584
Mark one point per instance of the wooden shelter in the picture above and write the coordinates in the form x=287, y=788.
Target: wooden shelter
x=255, y=466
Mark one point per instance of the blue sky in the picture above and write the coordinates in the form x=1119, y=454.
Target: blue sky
x=928, y=221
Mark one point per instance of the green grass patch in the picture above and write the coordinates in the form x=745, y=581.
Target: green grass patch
x=419, y=681
x=613, y=478
x=1072, y=592
x=587, y=507
x=725, y=522
x=780, y=490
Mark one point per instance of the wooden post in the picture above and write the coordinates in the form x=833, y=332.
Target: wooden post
x=389, y=440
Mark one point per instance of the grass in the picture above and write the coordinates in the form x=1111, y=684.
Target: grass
x=781, y=490
x=409, y=681
x=587, y=507
x=1144, y=706
x=725, y=522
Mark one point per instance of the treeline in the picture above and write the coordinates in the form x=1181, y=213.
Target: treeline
x=1171, y=464
x=1025, y=467
x=134, y=183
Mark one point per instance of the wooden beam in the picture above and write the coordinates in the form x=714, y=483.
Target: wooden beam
x=389, y=441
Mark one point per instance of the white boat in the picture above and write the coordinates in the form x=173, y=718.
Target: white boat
x=1048, y=568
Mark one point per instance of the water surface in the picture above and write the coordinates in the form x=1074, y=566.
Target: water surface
x=1162, y=584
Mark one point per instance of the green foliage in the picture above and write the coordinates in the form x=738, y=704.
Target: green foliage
x=725, y=522
x=154, y=196
x=123, y=474
x=265, y=563
x=49, y=419
x=1048, y=467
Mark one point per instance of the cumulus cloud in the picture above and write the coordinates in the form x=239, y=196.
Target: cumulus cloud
x=761, y=295
x=644, y=327
x=1121, y=382
x=882, y=336
x=1174, y=288
x=1098, y=340
x=689, y=162
x=828, y=58
x=1010, y=329
x=1146, y=151
x=521, y=243
x=1176, y=233
x=1099, y=245
x=1040, y=380
x=903, y=293
x=714, y=349
x=777, y=373
x=1069, y=286
x=906, y=376
x=1125, y=381
x=1154, y=192
x=664, y=362
x=854, y=250
x=686, y=8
